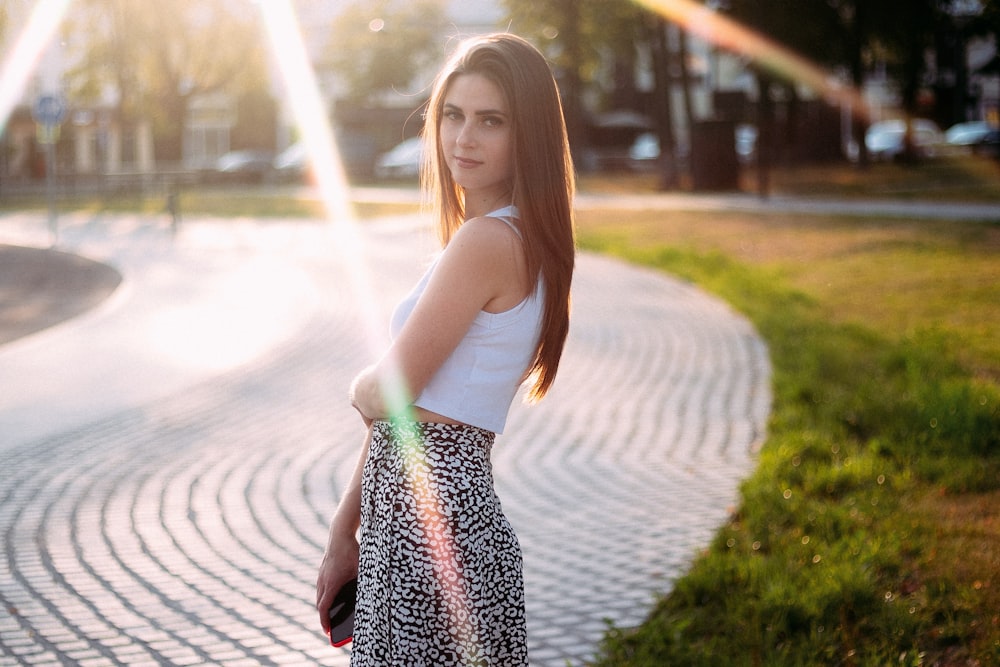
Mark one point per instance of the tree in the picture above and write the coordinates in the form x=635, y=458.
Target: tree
x=853, y=34
x=384, y=46
x=157, y=56
x=991, y=17
x=661, y=61
x=577, y=36
x=808, y=28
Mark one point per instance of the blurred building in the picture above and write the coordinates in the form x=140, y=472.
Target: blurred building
x=90, y=139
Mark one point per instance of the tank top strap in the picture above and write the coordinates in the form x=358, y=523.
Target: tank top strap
x=507, y=215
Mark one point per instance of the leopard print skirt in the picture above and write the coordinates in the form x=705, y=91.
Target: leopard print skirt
x=440, y=570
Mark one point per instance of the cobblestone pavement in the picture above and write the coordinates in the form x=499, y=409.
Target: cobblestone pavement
x=166, y=501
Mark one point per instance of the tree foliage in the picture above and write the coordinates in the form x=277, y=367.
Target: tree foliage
x=578, y=37
x=853, y=34
x=808, y=27
x=575, y=34
x=155, y=57
x=991, y=17
x=384, y=46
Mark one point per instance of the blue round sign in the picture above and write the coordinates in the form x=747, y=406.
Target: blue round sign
x=49, y=109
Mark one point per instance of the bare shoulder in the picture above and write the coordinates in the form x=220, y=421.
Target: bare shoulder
x=486, y=241
x=488, y=231
x=487, y=252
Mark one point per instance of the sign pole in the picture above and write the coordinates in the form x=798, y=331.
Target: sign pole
x=48, y=112
x=50, y=190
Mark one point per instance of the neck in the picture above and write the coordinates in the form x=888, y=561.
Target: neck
x=479, y=205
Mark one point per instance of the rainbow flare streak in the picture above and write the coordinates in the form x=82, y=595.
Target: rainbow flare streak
x=729, y=35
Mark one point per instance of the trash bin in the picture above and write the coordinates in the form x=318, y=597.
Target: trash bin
x=714, y=165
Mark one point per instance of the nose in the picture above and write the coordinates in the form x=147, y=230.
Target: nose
x=466, y=135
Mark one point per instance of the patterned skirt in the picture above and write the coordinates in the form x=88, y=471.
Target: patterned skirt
x=440, y=579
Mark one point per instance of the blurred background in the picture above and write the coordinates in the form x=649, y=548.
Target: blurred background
x=150, y=95
x=869, y=531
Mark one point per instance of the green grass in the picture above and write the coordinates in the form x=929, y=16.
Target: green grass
x=886, y=421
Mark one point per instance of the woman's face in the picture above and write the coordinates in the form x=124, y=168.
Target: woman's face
x=477, y=140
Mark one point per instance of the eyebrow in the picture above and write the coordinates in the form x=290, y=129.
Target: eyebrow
x=483, y=112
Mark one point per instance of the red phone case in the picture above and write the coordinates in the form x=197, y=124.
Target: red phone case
x=341, y=614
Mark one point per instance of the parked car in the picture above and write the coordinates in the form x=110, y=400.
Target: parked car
x=357, y=156
x=246, y=166
x=967, y=134
x=746, y=143
x=989, y=145
x=644, y=152
x=402, y=161
x=885, y=139
x=291, y=164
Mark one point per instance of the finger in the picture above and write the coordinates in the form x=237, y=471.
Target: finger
x=324, y=621
x=323, y=599
x=323, y=608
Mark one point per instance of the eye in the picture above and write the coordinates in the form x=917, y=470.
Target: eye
x=452, y=115
x=493, y=121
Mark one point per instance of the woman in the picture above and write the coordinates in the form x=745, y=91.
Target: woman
x=438, y=565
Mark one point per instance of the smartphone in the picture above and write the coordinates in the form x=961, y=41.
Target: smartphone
x=342, y=614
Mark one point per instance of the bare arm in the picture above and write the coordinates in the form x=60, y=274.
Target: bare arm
x=340, y=559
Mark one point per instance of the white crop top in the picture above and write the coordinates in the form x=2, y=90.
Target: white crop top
x=478, y=381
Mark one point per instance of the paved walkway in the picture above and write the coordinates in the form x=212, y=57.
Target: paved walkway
x=171, y=459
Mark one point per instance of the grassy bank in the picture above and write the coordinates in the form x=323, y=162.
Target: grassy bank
x=868, y=535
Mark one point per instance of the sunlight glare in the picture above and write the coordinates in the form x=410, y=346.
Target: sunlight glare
x=311, y=117
x=224, y=329
x=316, y=134
x=23, y=58
x=729, y=35
x=313, y=123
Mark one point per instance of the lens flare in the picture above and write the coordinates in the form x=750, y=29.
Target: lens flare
x=729, y=35
x=313, y=122
x=23, y=58
x=314, y=125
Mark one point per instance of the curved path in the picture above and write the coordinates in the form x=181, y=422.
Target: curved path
x=170, y=461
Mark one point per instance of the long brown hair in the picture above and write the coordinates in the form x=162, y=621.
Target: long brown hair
x=543, y=181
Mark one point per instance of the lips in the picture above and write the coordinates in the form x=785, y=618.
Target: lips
x=466, y=163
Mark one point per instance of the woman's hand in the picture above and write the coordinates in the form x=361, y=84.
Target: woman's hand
x=366, y=396
x=340, y=560
x=340, y=565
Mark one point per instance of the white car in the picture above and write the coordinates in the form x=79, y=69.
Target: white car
x=884, y=139
x=291, y=163
x=403, y=161
x=967, y=134
x=645, y=150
